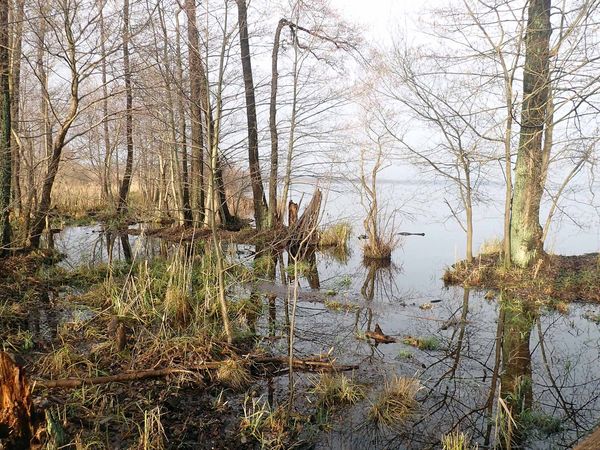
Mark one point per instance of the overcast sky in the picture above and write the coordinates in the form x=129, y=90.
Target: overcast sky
x=383, y=17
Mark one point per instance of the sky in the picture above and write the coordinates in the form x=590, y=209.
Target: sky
x=381, y=18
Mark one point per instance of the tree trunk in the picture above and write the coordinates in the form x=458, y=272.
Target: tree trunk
x=226, y=218
x=15, y=76
x=58, y=144
x=287, y=179
x=106, y=185
x=196, y=105
x=126, y=182
x=273, y=126
x=525, y=229
x=258, y=194
x=185, y=179
x=5, y=127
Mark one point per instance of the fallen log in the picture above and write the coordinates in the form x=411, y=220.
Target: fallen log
x=117, y=378
x=297, y=363
x=16, y=412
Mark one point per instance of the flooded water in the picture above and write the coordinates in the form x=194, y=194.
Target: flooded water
x=483, y=355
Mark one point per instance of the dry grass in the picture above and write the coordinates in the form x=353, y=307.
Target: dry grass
x=379, y=248
x=336, y=235
x=234, y=373
x=396, y=403
x=268, y=426
x=491, y=246
x=554, y=278
x=152, y=435
x=77, y=199
x=334, y=389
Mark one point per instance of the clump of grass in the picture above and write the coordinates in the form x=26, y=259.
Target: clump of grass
x=379, y=248
x=263, y=265
x=233, y=373
x=334, y=389
x=396, y=403
x=152, y=435
x=63, y=362
x=336, y=235
x=457, y=441
x=592, y=317
x=430, y=343
x=405, y=354
x=545, y=423
x=178, y=292
x=267, y=426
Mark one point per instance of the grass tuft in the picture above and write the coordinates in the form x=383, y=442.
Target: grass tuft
x=379, y=248
x=264, y=424
x=396, y=403
x=234, y=374
x=334, y=389
x=457, y=441
x=336, y=235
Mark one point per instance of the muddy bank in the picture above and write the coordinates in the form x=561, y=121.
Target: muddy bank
x=556, y=278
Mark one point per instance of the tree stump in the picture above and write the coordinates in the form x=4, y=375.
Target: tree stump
x=15, y=405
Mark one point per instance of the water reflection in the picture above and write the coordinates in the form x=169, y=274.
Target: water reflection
x=508, y=373
x=92, y=245
x=516, y=391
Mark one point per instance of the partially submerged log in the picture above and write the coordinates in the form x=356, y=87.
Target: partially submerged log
x=263, y=362
x=16, y=411
x=379, y=337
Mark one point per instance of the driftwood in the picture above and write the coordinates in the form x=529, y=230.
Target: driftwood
x=309, y=364
x=302, y=233
x=379, y=337
x=16, y=411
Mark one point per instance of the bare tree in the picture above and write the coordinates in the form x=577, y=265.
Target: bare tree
x=258, y=193
x=5, y=132
x=126, y=181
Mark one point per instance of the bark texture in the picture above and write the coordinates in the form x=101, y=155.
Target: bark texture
x=273, y=219
x=258, y=193
x=126, y=182
x=525, y=229
x=5, y=128
x=15, y=405
x=197, y=103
